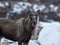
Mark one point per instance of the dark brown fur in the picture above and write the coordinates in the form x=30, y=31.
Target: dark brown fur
x=19, y=30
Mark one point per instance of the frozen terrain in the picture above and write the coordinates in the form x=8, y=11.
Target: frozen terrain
x=49, y=35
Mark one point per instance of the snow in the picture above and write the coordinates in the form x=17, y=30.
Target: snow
x=20, y=6
x=17, y=8
x=33, y=42
x=43, y=24
x=21, y=3
x=58, y=14
x=37, y=7
x=27, y=4
x=2, y=5
x=53, y=8
x=24, y=3
x=46, y=10
x=42, y=7
x=6, y=3
x=9, y=41
x=50, y=35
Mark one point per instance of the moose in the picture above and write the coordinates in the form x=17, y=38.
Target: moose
x=19, y=30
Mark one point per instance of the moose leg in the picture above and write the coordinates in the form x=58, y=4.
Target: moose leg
x=19, y=43
x=0, y=33
x=0, y=39
x=25, y=43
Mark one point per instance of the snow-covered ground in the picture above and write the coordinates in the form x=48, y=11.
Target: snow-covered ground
x=9, y=41
x=49, y=35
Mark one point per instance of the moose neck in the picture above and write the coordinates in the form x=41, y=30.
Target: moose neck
x=28, y=25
